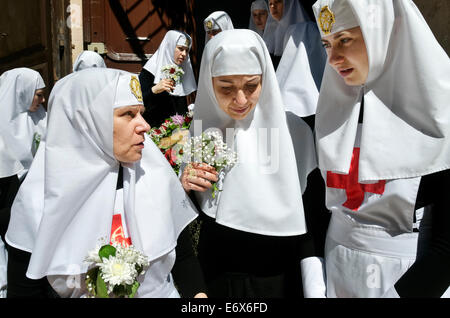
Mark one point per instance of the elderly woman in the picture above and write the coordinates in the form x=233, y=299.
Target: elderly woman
x=251, y=240
x=103, y=179
x=163, y=97
x=383, y=139
x=22, y=125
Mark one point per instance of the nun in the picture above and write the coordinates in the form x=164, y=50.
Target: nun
x=251, y=239
x=87, y=59
x=22, y=125
x=383, y=139
x=162, y=96
x=259, y=11
x=103, y=179
x=216, y=22
x=301, y=69
x=283, y=13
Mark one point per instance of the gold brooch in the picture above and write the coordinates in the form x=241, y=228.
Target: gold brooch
x=209, y=25
x=326, y=19
x=136, y=88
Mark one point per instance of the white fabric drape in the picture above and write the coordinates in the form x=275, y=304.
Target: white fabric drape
x=275, y=30
x=19, y=128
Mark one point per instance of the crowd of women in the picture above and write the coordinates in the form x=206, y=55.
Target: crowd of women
x=341, y=127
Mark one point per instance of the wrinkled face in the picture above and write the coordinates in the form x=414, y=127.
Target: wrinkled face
x=276, y=9
x=213, y=33
x=347, y=54
x=237, y=95
x=181, y=53
x=260, y=18
x=129, y=130
x=38, y=99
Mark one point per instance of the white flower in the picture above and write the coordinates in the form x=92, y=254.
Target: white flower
x=116, y=271
x=93, y=256
x=131, y=255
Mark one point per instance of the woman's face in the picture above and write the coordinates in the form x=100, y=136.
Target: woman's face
x=276, y=9
x=129, y=130
x=237, y=95
x=347, y=54
x=260, y=18
x=38, y=99
x=181, y=53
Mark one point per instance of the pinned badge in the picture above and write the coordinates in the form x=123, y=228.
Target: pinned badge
x=326, y=20
x=209, y=25
x=136, y=88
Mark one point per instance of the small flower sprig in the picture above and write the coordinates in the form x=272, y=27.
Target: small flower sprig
x=209, y=148
x=115, y=271
x=173, y=72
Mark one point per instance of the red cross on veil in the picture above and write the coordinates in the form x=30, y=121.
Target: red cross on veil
x=354, y=190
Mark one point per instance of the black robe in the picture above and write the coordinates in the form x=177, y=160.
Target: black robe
x=160, y=106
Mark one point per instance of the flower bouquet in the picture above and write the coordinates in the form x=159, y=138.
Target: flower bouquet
x=172, y=72
x=171, y=136
x=115, y=271
x=209, y=148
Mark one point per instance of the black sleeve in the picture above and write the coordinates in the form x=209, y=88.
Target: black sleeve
x=8, y=190
x=146, y=79
x=429, y=276
x=187, y=272
x=317, y=216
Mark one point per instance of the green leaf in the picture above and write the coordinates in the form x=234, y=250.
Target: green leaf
x=102, y=290
x=106, y=251
x=134, y=289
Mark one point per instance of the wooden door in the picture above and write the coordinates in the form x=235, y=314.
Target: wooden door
x=131, y=30
x=25, y=37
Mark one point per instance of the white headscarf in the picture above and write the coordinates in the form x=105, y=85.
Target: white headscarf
x=218, y=20
x=9, y=165
x=88, y=59
x=257, y=5
x=81, y=174
x=406, y=125
x=19, y=127
x=259, y=195
x=275, y=30
x=165, y=54
x=301, y=68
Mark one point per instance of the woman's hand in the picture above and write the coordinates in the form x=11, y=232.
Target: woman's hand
x=164, y=85
x=198, y=177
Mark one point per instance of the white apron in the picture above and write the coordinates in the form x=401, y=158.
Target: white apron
x=370, y=240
